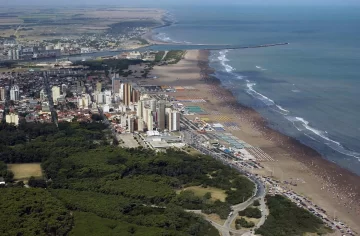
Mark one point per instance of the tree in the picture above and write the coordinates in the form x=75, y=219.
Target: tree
x=251, y=212
x=115, y=142
x=96, y=117
x=32, y=212
x=256, y=203
x=37, y=183
x=243, y=223
x=131, y=230
x=286, y=218
x=69, y=94
x=207, y=196
x=9, y=176
x=71, y=105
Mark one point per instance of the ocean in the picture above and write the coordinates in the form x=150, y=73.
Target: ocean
x=309, y=89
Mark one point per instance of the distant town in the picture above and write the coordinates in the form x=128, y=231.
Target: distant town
x=37, y=34
x=14, y=51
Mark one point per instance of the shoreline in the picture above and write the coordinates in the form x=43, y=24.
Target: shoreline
x=339, y=178
x=148, y=36
x=327, y=184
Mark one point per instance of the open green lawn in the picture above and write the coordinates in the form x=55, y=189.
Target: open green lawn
x=216, y=193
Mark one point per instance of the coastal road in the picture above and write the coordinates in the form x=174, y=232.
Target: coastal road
x=264, y=213
x=223, y=230
x=235, y=212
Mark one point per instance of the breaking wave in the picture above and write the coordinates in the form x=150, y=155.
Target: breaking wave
x=299, y=123
x=163, y=37
x=303, y=125
x=222, y=58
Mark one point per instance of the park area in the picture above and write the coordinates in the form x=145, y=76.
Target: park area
x=216, y=193
x=25, y=171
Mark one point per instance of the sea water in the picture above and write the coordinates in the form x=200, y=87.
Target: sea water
x=309, y=89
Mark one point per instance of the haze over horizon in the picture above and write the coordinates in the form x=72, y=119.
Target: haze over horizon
x=147, y=3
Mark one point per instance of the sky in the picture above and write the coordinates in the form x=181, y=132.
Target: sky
x=158, y=3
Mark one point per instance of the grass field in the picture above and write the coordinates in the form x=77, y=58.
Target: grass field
x=216, y=193
x=25, y=171
x=215, y=218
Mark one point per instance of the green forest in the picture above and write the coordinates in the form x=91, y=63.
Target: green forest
x=286, y=219
x=32, y=212
x=94, y=188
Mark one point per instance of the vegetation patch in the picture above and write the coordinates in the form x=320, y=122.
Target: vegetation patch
x=5, y=173
x=243, y=223
x=92, y=225
x=235, y=225
x=251, y=212
x=286, y=219
x=215, y=193
x=128, y=190
x=141, y=40
x=127, y=26
x=32, y=212
x=159, y=55
x=118, y=65
x=174, y=56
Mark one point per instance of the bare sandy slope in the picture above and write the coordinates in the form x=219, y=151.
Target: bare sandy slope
x=329, y=186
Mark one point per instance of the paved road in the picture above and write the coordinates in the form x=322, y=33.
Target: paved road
x=50, y=98
x=236, y=209
x=264, y=211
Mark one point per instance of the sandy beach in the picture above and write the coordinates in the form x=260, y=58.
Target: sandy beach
x=331, y=187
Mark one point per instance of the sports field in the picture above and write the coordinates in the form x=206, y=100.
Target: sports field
x=25, y=171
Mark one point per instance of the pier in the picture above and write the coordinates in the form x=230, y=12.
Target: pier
x=213, y=47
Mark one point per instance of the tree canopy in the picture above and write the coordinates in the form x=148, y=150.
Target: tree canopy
x=32, y=212
x=286, y=219
x=130, y=189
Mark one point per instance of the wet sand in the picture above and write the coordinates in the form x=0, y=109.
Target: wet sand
x=331, y=187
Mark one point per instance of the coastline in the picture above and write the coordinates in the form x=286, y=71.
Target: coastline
x=148, y=36
x=330, y=186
